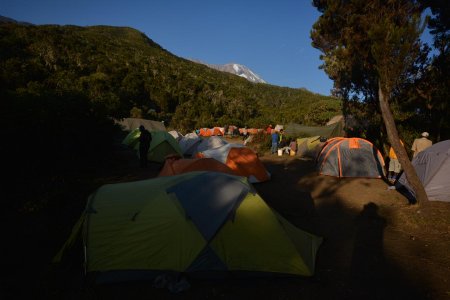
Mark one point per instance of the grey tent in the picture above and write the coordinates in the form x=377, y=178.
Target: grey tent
x=433, y=168
x=350, y=157
x=130, y=124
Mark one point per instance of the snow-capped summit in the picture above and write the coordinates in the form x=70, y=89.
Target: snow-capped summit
x=237, y=69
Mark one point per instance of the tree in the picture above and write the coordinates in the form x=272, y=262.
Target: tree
x=435, y=86
x=370, y=47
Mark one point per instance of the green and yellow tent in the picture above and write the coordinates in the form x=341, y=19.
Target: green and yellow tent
x=163, y=144
x=309, y=146
x=201, y=223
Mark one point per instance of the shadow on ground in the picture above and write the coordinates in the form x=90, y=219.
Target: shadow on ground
x=352, y=262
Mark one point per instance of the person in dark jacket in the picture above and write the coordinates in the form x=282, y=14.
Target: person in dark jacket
x=144, y=145
x=275, y=138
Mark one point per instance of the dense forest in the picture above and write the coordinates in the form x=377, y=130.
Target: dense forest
x=123, y=72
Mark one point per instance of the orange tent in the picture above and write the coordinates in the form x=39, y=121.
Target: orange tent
x=242, y=160
x=245, y=162
x=205, y=132
x=176, y=166
x=217, y=131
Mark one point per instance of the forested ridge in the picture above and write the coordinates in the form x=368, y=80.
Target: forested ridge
x=61, y=87
x=124, y=72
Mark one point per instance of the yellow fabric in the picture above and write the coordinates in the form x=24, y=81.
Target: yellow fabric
x=138, y=226
x=392, y=154
x=255, y=241
x=306, y=243
x=132, y=138
x=76, y=230
x=151, y=232
x=311, y=142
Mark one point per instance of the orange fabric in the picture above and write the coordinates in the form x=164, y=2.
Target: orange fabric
x=327, y=144
x=339, y=161
x=216, y=131
x=245, y=163
x=353, y=143
x=205, y=132
x=329, y=150
x=178, y=166
x=199, y=155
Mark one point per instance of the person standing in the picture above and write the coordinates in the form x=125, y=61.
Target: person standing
x=282, y=140
x=144, y=145
x=244, y=133
x=275, y=138
x=394, y=166
x=421, y=144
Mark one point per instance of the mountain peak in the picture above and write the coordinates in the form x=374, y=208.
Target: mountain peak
x=236, y=69
x=4, y=19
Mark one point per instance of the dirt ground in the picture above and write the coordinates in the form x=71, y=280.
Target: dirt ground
x=376, y=245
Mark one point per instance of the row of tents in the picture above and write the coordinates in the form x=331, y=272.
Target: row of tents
x=345, y=157
x=231, y=130
x=337, y=156
x=241, y=160
x=201, y=216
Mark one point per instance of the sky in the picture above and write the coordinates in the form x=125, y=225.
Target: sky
x=272, y=38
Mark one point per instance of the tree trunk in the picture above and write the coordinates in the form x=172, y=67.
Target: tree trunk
x=410, y=172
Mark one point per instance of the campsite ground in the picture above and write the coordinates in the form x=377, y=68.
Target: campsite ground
x=376, y=245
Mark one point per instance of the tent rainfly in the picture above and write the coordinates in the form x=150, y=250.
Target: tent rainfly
x=200, y=223
x=163, y=145
x=350, y=157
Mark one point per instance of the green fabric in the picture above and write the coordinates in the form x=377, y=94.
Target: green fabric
x=163, y=144
x=310, y=142
x=76, y=230
x=132, y=138
x=329, y=131
x=255, y=241
x=309, y=147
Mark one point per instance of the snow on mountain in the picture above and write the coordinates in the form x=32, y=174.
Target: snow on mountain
x=237, y=69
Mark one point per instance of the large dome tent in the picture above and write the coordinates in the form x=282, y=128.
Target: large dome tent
x=350, y=157
x=178, y=224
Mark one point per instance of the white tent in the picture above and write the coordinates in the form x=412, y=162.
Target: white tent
x=433, y=168
x=278, y=127
x=176, y=135
x=212, y=142
x=188, y=143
